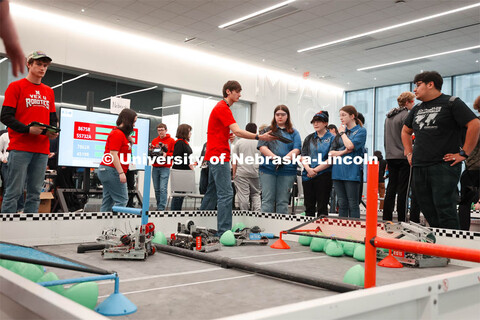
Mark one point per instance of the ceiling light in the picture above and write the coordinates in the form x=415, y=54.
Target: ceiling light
x=417, y=58
x=476, y=61
x=165, y=107
x=441, y=14
x=83, y=10
x=257, y=13
x=131, y=92
x=70, y=80
x=5, y=59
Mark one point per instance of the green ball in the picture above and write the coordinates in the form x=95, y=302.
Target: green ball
x=7, y=264
x=228, y=239
x=355, y=276
x=327, y=242
x=159, y=238
x=28, y=271
x=334, y=249
x=359, y=252
x=85, y=293
x=305, y=240
x=238, y=227
x=317, y=244
x=50, y=276
x=349, y=248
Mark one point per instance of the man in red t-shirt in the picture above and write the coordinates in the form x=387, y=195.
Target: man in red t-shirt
x=161, y=166
x=26, y=101
x=219, y=191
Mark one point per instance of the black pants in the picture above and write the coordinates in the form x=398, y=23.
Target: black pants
x=316, y=193
x=398, y=173
x=469, y=182
x=435, y=188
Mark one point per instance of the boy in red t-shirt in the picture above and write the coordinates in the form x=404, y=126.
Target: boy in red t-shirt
x=28, y=100
x=219, y=191
x=161, y=166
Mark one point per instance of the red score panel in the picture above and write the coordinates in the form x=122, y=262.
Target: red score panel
x=96, y=132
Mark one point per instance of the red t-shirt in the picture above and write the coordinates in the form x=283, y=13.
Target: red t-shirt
x=218, y=131
x=34, y=102
x=170, y=143
x=117, y=141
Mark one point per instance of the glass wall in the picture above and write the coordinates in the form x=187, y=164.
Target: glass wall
x=362, y=100
x=385, y=100
x=374, y=103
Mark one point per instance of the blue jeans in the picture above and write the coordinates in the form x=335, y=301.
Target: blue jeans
x=115, y=193
x=29, y=166
x=219, y=193
x=160, y=176
x=276, y=192
x=347, y=193
x=177, y=203
x=21, y=199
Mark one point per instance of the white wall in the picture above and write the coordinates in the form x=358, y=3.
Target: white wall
x=98, y=48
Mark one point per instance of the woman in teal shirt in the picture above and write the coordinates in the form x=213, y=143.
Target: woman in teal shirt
x=277, y=179
x=346, y=175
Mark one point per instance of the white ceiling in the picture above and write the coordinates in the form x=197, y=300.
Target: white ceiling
x=274, y=44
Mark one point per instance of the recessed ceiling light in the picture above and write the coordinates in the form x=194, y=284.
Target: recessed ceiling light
x=441, y=14
x=417, y=58
x=348, y=82
x=374, y=78
x=263, y=60
x=476, y=61
x=83, y=10
x=248, y=16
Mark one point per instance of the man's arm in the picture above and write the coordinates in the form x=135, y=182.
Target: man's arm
x=248, y=135
x=10, y=39
x=8, y=118
x=471, y=139
x=407, y=143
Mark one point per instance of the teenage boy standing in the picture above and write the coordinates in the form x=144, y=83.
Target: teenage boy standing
x=28, y=100
x=161, y=171
x=219, y=191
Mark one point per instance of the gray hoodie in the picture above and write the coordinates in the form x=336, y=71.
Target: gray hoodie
x=393, y=133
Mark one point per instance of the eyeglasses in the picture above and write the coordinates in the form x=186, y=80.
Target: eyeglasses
x=280, y=114
x=418, y=84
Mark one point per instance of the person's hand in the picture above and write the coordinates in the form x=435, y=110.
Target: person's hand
x=455, y=157
x=334, y=153
x=342, y=128
x=477, y=205
x=409, y=158
x=10, y=40
x=231, y=137
x=5, y=161
x=36, y=130
x=123, y=177
x=51, y=154
x=267, y=136
x=311, y=173
x=51, y=135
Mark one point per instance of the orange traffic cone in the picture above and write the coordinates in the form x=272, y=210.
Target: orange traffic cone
x=390, y=261
x=280, y=244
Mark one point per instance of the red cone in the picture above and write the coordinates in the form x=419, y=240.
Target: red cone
x=390, y=261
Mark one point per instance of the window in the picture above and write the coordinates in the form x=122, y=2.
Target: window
x=362, y=100
x=385, y=100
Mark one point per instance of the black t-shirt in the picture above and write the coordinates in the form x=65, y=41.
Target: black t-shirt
x=182, y=149
x=438, y=129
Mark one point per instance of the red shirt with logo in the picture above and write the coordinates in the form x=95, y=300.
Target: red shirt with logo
x=218, y=131
x=33, y=102
x=170, y=143
x=117, y=141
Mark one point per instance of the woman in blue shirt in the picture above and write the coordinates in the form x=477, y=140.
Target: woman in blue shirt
x=346, y=174
x=317, y=176
x=277, y=178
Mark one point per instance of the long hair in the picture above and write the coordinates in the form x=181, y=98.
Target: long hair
x=127, y=118
x=351, y=110
x=182, y=131
x=288, y=123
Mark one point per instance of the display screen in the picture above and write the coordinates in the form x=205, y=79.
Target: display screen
x=84, y=135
